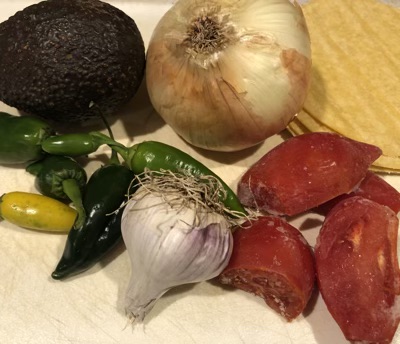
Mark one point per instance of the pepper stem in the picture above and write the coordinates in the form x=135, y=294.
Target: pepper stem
x=114, y=155
x=72, y=190
x=126, y=153
x=104, y=139
x=115, y=146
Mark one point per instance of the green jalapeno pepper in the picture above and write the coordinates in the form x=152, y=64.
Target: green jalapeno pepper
x=75, y=144
x=105, y=191
x=157, y=156
x=21, y=138
x=107, y=242
x=62, y=178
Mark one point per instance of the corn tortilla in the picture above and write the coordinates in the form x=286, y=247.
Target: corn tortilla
x=355, y=85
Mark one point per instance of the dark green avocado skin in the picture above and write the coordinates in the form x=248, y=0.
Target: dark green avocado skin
x=59, y=57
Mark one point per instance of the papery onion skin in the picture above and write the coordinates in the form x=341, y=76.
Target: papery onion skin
x=245, y=91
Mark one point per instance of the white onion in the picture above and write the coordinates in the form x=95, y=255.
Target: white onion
x=235, y=88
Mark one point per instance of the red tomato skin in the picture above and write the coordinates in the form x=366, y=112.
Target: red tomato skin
x=304, y=172
x=272, y=260
x=372, y=187
x=357, y=269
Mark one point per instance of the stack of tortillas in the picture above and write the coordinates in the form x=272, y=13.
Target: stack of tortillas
x=355, y=86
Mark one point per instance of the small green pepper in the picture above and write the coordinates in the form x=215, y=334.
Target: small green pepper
x=105, y=192
x=62, y=178
x=75, y=144
x=21, y=138
x=107, y=242
x=157, y=156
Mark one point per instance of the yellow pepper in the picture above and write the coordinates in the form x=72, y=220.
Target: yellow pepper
x=35, y=211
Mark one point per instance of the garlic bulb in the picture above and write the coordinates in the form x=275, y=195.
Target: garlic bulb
x=171, y=240
x=227, y=74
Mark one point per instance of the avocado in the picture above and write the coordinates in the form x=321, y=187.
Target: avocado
x=70, y=60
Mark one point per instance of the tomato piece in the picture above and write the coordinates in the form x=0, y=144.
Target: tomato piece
x=358, y=271
x=304, y=172
x=372, y=187
x=272, y=260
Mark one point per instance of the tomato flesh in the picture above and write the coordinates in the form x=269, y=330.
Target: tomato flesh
x=304, y=172
x=357, y=269
x=272, y=260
